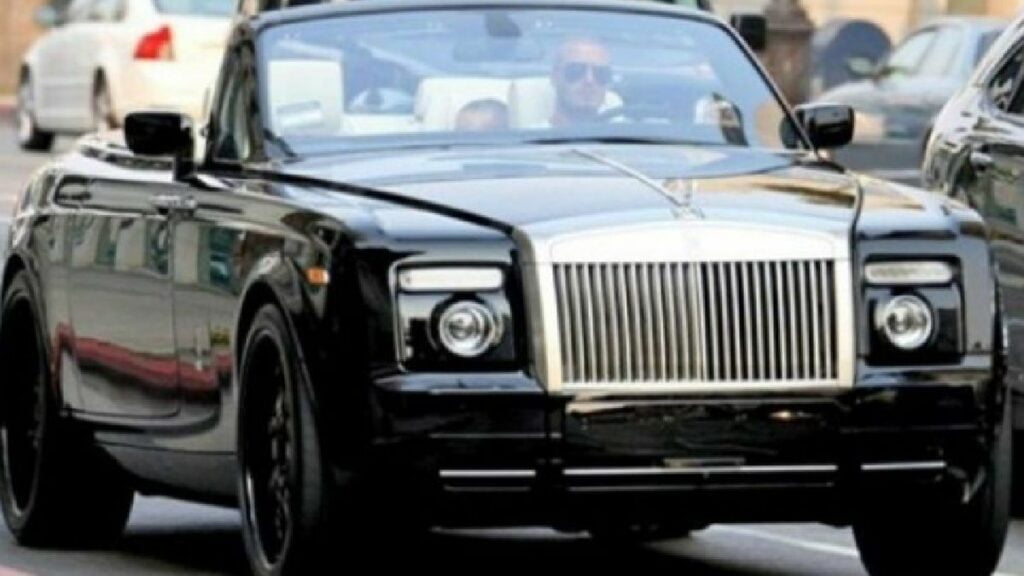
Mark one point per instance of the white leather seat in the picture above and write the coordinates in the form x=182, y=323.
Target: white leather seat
x=372, y=124
x=531, y=102
x=306, y=96
x=439, y=100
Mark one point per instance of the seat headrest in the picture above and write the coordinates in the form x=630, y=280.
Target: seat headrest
x=531, y=102
x=439, y=100
x=306, y=96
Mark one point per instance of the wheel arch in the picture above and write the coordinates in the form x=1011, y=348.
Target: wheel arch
x=278, y=280
x=274, y=281
x=17, y=263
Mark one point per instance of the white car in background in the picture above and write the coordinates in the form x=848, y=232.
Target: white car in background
x=102, y=59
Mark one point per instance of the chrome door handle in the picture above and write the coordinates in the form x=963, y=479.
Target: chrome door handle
x=168, y=203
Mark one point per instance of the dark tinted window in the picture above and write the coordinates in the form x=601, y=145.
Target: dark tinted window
x=1001, y=87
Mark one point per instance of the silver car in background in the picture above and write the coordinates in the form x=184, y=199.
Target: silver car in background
x=102, y=59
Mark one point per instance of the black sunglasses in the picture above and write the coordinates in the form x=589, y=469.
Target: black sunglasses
x=574, y=72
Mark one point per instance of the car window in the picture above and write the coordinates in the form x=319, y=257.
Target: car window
x=517, y=74
x=107, y=10
x=79, y=10
x=942, y=57
x=906, y=58
x=1001, y=88
x=984, y=43
x=197, y=7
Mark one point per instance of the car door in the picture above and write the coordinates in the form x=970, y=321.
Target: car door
x=121, y=306
x=994, y=159
x=210, y=241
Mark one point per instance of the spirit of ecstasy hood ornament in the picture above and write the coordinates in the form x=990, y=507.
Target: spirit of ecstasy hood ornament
x=679, y=191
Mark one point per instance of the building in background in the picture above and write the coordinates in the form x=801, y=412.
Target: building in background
x=18, y=29
x=896, y=17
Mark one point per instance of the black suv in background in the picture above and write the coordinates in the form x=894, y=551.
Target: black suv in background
x=976, y=155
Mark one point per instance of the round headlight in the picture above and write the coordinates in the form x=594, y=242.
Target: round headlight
x=906, y=321
x=469, y=329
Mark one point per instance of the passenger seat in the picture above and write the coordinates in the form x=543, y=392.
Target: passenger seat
x=439, y=100
x=301, y=106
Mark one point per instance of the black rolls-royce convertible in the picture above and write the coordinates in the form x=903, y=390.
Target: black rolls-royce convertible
x=477, y=263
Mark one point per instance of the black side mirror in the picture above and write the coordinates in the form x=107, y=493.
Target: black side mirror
x=753, y=28
x=827, y=125
x=163, y=134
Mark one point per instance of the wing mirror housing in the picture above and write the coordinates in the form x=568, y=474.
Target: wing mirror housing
x=827, y=125
x=163, y=134
x=753, y=28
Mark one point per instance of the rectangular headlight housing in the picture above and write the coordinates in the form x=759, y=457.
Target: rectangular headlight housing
x=909, y=273
x=451, y=279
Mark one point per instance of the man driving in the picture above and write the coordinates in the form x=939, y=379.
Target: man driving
x=581, y=76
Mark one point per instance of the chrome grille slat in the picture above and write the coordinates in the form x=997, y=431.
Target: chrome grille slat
x=759, y=323
x=672, y=315
x=683, y=321
x=697, y=306
x=679, y=322
x=805, y=312
x=712, y=312
x=814, y=285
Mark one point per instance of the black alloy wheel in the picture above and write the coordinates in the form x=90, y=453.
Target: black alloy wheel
x=56, y=488
x=286, y=496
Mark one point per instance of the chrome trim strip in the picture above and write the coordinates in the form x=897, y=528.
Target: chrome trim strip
x=696, y=387
x=701, y=470
x=930, y=466
x=486, y=474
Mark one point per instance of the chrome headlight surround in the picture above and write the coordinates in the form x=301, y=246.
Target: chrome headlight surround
x=453, y=317
x=468, y=328
x=914, y=311
x=906, y=321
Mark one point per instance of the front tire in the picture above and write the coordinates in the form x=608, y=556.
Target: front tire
x=286, y=495
x=900, y=536
x=30, y=137
x=56, y=488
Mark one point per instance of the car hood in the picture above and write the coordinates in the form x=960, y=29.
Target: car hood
x=604, y=185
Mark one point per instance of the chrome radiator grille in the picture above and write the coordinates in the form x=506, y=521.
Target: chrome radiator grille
x=764, y=321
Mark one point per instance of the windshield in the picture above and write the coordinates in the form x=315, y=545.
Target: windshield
x=196, y=7
x=520, y=75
